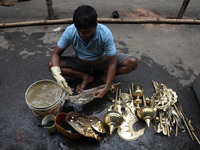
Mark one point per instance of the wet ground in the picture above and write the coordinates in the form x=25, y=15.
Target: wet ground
x=167, y=53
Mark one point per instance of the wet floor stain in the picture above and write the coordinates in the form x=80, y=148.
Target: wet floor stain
x=20, y=73
x=121, y=46
x=142, y=13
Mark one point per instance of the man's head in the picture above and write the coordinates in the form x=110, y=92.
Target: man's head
x=85, y=17
x=85, y=21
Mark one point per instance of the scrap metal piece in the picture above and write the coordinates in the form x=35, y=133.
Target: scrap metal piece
x=97, y=124
x=184, y=120
x=192, y=130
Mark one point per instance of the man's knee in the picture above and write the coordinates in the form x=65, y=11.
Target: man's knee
x=131, y=63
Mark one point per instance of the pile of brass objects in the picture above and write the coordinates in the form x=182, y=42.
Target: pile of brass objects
x=121, y=115
x=163, y=108
x=88, y=126
x=169, y=113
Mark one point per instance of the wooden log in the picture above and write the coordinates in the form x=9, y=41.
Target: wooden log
x=183, y=8
x=104, y=20
x=50, y=9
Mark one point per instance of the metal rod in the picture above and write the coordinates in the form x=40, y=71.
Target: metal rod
x=144, y=101
x=116, y=99
x=186, y=125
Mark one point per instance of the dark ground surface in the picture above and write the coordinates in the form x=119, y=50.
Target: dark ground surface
x=166, y=53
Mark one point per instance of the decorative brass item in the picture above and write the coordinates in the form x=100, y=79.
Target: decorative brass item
x=137, y=93
x=123, y=105
x=81, y=124
x=125, y=130
x=146, y=113
x=64, y=128
x=170, y=113
x=113, y=118
x=163, y=101
x=128, y=100
x=97, y=124
x=125, y=97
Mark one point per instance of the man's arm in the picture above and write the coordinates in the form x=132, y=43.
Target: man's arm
x=110, y=76
x=56, y=71
x=111, y=71
x=55, y=58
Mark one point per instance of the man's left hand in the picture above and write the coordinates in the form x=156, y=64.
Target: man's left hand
x=100, y=93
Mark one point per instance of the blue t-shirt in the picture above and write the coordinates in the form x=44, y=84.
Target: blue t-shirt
x=101, y=43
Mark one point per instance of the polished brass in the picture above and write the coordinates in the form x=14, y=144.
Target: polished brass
x=170, y=112
x=125, y=97
x=128, y=100
x=113, y=119
x=184, y=120
x=97, y=124
x=81, y=124
x=125, y=130
x=137, y=93
x=146, y=113
x=125, y=108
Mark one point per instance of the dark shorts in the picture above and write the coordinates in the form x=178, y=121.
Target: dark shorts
x=73, y=63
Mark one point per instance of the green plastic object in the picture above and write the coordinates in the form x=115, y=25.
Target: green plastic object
x=196, y=87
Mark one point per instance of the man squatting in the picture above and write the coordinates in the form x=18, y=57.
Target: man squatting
x=95, y=52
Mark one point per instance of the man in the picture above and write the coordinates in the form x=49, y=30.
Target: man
x=95, y=52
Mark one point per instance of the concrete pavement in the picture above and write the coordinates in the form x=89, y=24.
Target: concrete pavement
x=166, y=53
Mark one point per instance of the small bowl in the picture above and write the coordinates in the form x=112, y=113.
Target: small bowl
x=46, y=119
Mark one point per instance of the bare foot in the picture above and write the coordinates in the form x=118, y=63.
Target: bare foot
x=6, y=3
x=87, y=79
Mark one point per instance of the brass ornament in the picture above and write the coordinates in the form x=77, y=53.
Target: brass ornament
x=113, y=119
x=146, y=113
x=81, y=124
x=97, y=124
x=137, y=93
x=170, y=116
x=125, y=130
x=123, y=113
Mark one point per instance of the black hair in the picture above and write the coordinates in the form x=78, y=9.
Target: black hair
x=85, y=17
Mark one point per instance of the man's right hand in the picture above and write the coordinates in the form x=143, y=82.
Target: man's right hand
x=60, y=79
